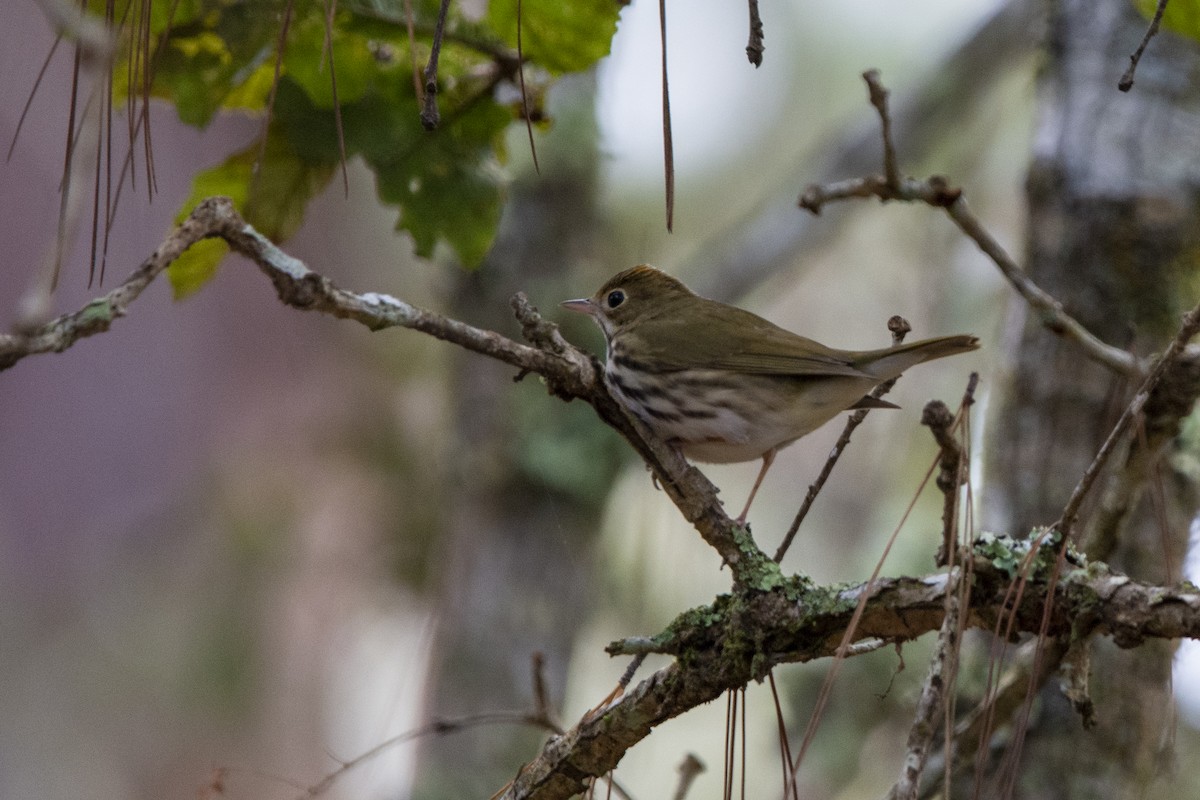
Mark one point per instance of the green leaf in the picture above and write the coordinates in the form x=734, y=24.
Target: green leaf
x=195, y=267
x=306, y=61
x=1181, y=16
x=273, y=202
x=285, y=184
x=558, y=36
x=447, y=185
x=448, y=182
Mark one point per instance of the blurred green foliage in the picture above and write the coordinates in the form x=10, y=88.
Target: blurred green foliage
x=355, y=68
x=1181, y=16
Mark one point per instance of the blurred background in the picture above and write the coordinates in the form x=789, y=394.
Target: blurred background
x=237, y=536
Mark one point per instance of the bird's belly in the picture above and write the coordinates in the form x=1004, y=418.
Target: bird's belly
x=720, y=419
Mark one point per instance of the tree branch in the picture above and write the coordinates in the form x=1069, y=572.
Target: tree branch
x=568, y=371
x=1126, y=82
x=900, y=328
x=936, y=191
x=794, y=624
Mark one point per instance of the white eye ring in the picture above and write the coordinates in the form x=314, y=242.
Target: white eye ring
x=615, y=298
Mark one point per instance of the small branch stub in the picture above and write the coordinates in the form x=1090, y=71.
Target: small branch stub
x=755, y=47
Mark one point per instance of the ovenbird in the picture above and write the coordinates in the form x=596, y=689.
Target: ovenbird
x=725, y=385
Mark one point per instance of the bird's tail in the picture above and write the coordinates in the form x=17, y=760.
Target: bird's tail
x=890, y=362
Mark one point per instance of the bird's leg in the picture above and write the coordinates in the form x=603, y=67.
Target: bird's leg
x=768, y=458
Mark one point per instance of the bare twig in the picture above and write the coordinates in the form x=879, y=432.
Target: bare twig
x=899, y=328
x=1169, y=361
x=1173, y=399
x=936, y=191
x=1126, y=82
x=766, y=240
x=1074, y=669
x=430, y=116
x=937, y=417
x=938, y=681
x=879, y=99
x=688, y=770
x=1050, y=309
x=537, y=330
x=542, y=707
x=438, y=727
x=971, y=732
x=755, y=46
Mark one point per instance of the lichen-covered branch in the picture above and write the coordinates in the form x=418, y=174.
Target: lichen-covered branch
x=741, y=637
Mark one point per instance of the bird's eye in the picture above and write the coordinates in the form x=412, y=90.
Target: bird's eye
x=615, y=298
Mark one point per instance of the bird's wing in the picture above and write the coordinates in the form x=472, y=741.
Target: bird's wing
x=728, y=338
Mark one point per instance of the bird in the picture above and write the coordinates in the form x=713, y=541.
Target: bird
x=722, y=384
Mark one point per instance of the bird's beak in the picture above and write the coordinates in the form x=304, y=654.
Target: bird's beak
x=584, y=305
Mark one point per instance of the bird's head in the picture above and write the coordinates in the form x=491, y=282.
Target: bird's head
x=630, y=297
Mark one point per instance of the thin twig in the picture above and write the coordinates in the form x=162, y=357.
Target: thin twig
x=1187, y=330
x=430, y=116
x=437, y=727
x=688, y=770
x=938, y=682
x=943, y=666
x=937, y=417
x=1048, y=307
x=879, y=99
x=755, y=47
x=542, y=707
x=936, y=191
x=1126, y=82
x=849, y=634
x=899, y=328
